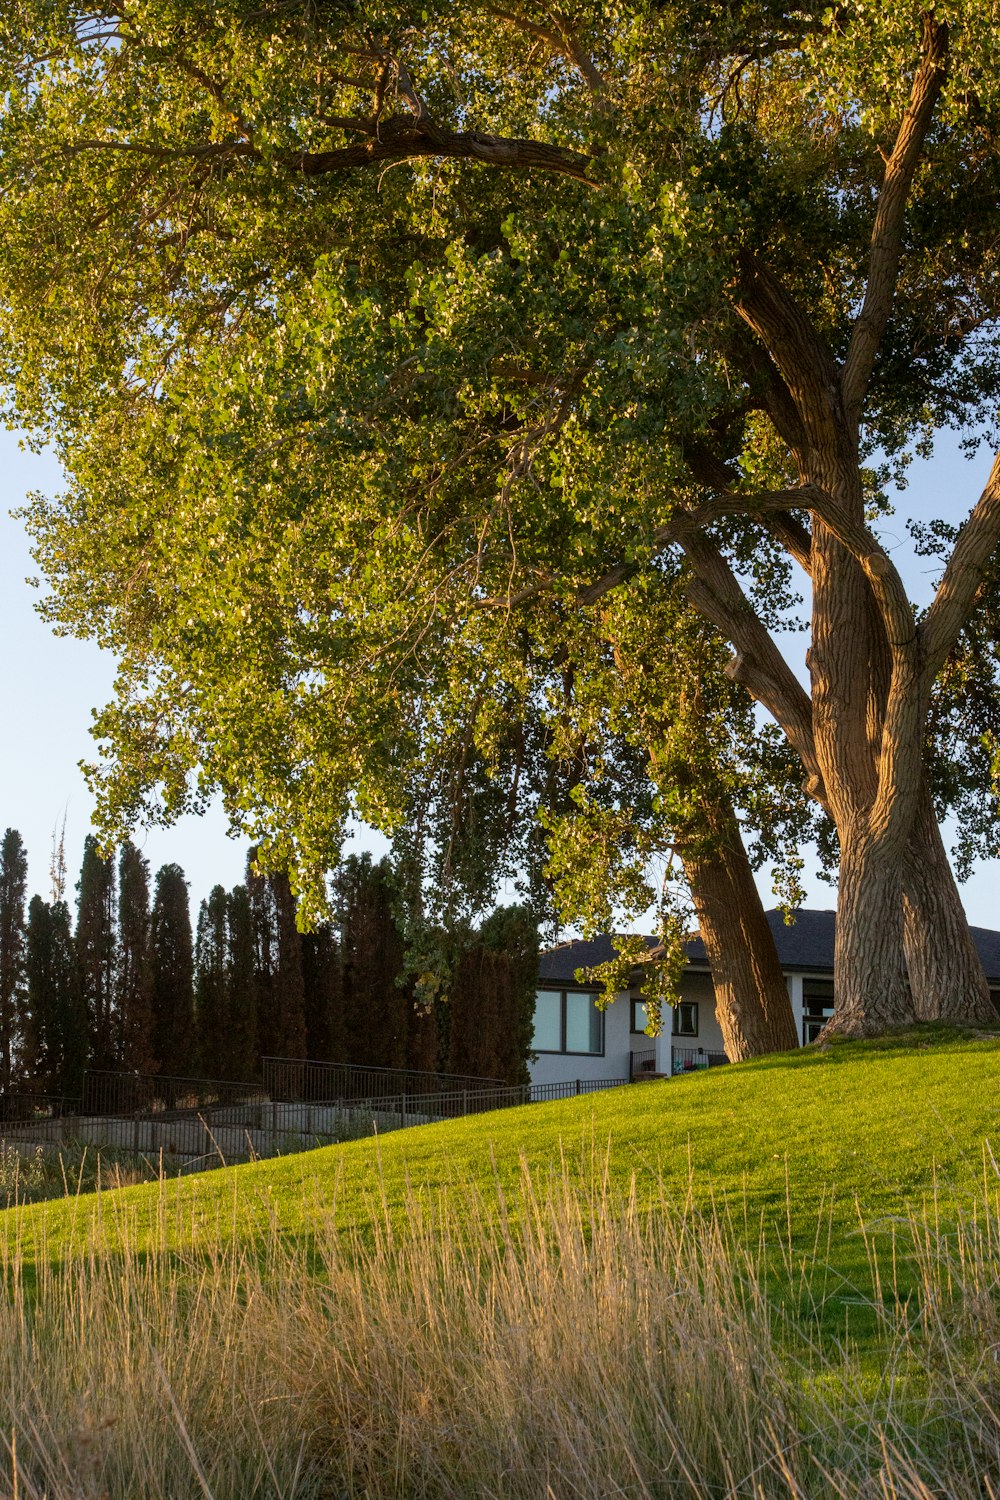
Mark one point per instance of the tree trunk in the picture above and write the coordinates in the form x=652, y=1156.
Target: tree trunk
x=872, y=994
x=868, y=726
x=751, y=996
x=945, y=972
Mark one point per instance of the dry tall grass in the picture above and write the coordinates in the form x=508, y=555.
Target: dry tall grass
x=581, y=1351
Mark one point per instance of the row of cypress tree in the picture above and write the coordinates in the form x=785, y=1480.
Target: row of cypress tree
x=130, y=986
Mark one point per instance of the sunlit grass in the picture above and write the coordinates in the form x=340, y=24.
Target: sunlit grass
x=550, y=1339
x=774, y=1280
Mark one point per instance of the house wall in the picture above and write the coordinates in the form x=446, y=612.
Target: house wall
x=620, y=1040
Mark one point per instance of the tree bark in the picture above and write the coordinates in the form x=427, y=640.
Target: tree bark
x=751, y=997
x=872, y=994
x=945, y=972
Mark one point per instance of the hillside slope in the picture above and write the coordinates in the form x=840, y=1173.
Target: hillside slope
x=807, y=1143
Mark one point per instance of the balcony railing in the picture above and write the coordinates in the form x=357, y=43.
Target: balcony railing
x=692, y=1059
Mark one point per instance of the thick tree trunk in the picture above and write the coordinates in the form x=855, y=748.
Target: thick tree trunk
x=872, y=994
x=751, y=996
x=945, y=972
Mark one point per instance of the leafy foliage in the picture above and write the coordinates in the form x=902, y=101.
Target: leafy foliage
x=352, y=452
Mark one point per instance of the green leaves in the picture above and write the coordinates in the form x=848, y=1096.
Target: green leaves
x=344, y=445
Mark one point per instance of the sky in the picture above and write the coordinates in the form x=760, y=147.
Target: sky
x=50, y=685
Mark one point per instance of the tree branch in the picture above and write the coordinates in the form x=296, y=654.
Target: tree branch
x=790, y=533
x=787, y=531
x=399, y=138
x=807, y=367
x=716, y=593
x=956, y=593
x=890, y=213
x=562, y=41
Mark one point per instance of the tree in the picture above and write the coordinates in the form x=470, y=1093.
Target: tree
x=212, y=1006
x=134, y=980
x=377, y=1004
x=172, y=964
x=492, y=1001
x=13, y=888
x=241, y=985
x=288, y=991
x=326, y=1040
x=264, y=933
x=56, y=1015
x=680, y=281
x=95, y=953
x=277, y=963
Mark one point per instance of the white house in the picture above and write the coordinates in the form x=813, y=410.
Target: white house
x=575, y=1040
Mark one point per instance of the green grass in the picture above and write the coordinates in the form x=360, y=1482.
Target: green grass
x=808, y=1147
x=639, y=1294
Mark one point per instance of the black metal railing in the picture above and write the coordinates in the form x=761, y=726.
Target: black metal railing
x=692, y=1059
x=642, y=1064
x=25, y=1107
x=214, y=1132
x=109, y=1093
x=293, y=1078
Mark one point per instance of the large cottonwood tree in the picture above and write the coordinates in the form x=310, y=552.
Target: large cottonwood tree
x=643, y=279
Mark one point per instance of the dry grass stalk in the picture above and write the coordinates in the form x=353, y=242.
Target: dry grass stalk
x=568, y=1346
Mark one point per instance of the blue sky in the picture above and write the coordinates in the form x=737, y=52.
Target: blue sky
x=50, y=686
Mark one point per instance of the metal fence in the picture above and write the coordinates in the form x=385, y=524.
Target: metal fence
x=303, y=1079
x=106, y=1092
x=246, y=1128
x=682, y=1060
x=298, y=1104
x=24, y=1107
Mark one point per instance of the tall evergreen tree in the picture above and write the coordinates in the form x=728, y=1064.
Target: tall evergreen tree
x=281, y=1028
x=40, y=1031
x=172, y=963
x=134, y=980
x=427, y=1027
x=56, y=1030
x=493, y=998
x=288, y=993
x=211, y=988
x=241, y=984
x=13, y=887
x=95, y=951
x=326, y=1039
x=376, y=1007
x=264, y=938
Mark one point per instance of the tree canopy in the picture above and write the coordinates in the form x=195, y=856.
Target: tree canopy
x=386, y=349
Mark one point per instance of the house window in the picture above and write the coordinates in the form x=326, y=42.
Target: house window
x=640, y=1015
x=686, y=1018
x=548, y=1021
x=568, y=1021
x=817, y=1007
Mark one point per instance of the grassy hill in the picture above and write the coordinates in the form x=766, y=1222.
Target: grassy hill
x=776, y=1279
x=833, y=1140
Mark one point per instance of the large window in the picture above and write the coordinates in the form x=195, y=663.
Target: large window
x=817, y=1007
x=568, y=1021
